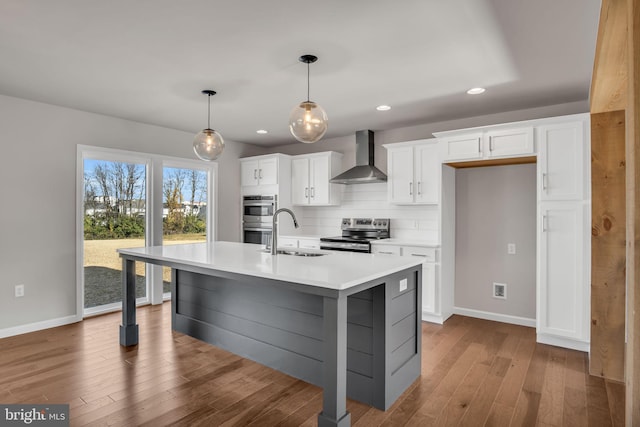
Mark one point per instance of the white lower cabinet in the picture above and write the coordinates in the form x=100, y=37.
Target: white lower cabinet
x=431, y=307
x=563, y=290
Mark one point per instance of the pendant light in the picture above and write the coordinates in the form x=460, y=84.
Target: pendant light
x=308, y=121
x=208, y=144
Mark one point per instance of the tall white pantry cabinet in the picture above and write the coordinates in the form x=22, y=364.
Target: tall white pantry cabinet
x=561, y=148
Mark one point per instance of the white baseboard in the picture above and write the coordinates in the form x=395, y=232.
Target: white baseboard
x=432, y=318
x=435, y=318
x=563, y=342
x=504, y=318
x=38, y=326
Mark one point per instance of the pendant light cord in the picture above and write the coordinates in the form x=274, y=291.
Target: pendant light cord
x=209, y=112
x=308, y=100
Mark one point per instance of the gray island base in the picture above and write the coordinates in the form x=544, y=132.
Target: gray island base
x=355, y=338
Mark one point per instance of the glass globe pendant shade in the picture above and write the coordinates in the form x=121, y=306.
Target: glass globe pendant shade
x=308, y=122
x=208, y=145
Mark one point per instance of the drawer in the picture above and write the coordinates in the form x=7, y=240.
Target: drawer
x=385, y=250
x=429, y=254
x=309, y=243
x=285, y=242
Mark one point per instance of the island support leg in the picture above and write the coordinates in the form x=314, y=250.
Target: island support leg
x=334, y=396
x=129, y=328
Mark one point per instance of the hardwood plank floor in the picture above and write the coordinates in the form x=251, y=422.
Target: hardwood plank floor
x=474, y=373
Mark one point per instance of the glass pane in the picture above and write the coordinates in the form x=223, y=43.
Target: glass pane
x=184, y=210
x=114, y=217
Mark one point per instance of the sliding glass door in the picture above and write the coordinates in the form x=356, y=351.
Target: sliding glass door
x=114, y=215
x=126, y=200
x=185, y=198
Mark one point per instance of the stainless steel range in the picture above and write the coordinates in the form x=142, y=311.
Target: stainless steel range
x=357, y=234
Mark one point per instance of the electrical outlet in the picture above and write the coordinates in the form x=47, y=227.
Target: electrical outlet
x=403, y=285
x=511, y=248
x=19, y=291
x=500, y=290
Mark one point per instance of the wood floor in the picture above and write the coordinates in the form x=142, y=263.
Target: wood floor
x=474, y=373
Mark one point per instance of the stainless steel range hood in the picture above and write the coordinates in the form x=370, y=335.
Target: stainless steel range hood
x=364, y=172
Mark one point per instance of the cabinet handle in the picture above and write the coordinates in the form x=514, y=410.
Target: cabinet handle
x=260, y=173
x=313, y=192
x=255, y=174
x=306, y=192
x=422, y=255
x=544, y=223
x=386, y=253
x=411, y=188
x=419, y=188
x=544, y=181
x=479, y=148
x=490, y=144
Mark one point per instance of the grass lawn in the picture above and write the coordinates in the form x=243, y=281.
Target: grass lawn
x=103, y=267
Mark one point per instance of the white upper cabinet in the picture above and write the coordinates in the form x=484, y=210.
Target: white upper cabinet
x=463, y=147
x=413, y=170
x=561, y=161
x=310, y=175
x=259, y=171
x=487, y=144
x=509, y=142
x=400, y=174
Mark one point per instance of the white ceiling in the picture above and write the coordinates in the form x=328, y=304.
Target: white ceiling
x=148, y=60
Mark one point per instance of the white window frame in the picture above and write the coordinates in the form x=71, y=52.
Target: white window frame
x=154, y=165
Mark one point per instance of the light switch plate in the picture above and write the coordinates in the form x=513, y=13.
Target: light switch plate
x=403, y=285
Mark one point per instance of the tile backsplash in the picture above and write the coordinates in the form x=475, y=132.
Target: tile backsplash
x=370, y=200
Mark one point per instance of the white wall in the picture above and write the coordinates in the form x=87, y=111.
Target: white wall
x=496, y=206
x=37, y=217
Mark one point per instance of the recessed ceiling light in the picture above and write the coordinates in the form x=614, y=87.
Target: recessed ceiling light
x=262, y=131
x=383, y=107
x=476, y=91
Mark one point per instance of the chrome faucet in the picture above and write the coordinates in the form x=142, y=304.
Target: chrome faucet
x=274, y=232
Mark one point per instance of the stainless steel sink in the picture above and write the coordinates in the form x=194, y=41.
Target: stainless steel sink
x=295, y=253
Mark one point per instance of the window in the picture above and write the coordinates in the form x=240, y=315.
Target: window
x=130, y=199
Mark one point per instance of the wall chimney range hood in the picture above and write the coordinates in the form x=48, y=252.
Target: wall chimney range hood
x=364, y=172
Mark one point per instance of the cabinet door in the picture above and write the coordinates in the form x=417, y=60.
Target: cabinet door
x=319, y=180
x=400, y=186
x=561, y=161
x=463, y=147
x=427, y=174
x=429, y=288
x=562, y=290
x=509, y=142
x=300, y=181
x=249, y=172
x=268, y=171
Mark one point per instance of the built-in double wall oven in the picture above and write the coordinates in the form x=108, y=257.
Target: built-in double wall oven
x=257, y=218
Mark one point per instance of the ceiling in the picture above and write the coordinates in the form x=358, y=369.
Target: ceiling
x=148, y=60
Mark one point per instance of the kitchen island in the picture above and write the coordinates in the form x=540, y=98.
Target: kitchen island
x=347, y=322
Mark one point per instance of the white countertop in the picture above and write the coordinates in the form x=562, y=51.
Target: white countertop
x=406, y=242
x=337, y=270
